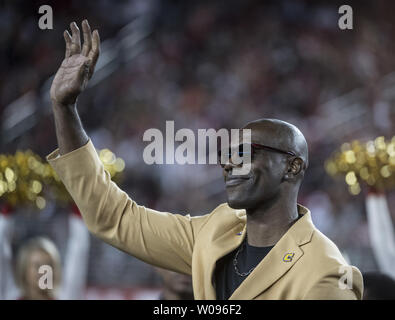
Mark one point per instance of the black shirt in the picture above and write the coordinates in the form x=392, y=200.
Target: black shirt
x=226, y=278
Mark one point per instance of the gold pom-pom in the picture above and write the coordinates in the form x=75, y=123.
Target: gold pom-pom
x=25, y=179
x=371, y=163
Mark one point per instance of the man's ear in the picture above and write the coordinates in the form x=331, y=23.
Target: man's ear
x=294, y=168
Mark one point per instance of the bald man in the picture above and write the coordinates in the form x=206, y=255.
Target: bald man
x=261, y=244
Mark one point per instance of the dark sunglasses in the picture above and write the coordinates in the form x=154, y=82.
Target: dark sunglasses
x=253, y=147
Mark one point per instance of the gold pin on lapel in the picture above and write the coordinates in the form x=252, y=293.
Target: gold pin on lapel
x=288, y=256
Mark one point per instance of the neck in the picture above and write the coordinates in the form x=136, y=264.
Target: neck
x=268, y=223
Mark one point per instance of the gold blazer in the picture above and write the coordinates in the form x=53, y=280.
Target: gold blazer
x=304, y=264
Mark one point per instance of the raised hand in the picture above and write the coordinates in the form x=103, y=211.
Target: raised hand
x=77, y=67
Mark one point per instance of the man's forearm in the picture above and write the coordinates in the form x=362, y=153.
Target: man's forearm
x=69, y=130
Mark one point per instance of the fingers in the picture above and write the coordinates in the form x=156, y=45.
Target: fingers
x=86, y=29
x=67, y=39
x=91, y=46
x=95, y=51
x=75, y=40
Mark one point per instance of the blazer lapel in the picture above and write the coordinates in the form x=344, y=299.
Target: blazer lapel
x=221, y=246
x=279, y=260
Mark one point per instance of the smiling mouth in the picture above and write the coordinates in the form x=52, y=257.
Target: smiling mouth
x=235, y=181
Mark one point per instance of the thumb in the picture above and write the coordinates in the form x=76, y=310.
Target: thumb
x=84, y=72
x=90, y=68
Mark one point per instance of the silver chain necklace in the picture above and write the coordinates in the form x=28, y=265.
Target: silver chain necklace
x=241, y=274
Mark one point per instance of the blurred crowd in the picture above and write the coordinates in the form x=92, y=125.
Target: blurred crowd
x=210, y=64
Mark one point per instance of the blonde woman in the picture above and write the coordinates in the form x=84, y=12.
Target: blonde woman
x=38, y=271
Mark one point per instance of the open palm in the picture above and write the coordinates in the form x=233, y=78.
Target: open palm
x=78, y=66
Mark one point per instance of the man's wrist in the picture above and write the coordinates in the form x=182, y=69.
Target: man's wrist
x=61, y=107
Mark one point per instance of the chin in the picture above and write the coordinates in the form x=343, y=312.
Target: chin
x=237, y=204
